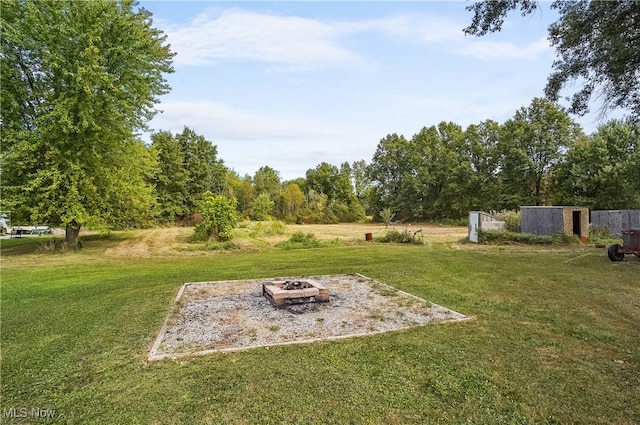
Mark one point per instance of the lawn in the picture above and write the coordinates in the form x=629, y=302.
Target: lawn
x=555, y=335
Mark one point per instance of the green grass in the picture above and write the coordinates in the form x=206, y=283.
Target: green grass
x=555, y=339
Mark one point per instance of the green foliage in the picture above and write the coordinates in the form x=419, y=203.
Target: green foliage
x=601, y=171
x=242, y=189
x=267, y=180
x=293, y=200
x=300, y=240
x=219, y=216
x=386, y=215
x=396, y=236
x=323, y=179
x=596, y=43
x=78, y=80
x=533, y=142
x=602, y=235
x=352, y=212
x=267, y=228
x=494, y=237
x=262, y=207
x=512, y=220
x=187, y=167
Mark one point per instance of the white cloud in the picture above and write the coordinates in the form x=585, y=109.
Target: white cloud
x=298, y=43
x=248, y=140
x=218, y=120
x=241, y=35
x=490, y=50
x=416, y=28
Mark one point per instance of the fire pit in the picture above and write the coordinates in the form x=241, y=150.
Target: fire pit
x=286, y=292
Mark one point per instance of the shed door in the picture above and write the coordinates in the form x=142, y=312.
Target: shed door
x=577, y=223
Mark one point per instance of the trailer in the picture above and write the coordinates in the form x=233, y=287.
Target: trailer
x=631, y=245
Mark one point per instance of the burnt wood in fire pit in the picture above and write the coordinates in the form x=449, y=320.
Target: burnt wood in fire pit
x=286, y=292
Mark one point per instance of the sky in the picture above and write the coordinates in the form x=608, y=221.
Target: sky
x=290, y=85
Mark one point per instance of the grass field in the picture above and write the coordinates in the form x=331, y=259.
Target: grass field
x=555, y=335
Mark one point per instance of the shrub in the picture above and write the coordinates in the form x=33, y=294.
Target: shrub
x=386, y=215
x=219, y=216
x=262, y=207
x=507, y=238
x=602, y=235
x=268, y=228
x=300, y=240
x=401, y=237
x=511, y=221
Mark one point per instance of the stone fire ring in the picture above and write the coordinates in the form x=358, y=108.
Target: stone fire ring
x=227, y=316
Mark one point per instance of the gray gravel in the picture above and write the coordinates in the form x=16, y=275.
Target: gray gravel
x=234, y=315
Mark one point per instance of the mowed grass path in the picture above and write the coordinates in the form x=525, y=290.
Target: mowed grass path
x=555, y=339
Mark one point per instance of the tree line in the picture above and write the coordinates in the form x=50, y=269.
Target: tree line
x=538, y=157
x=188, y=168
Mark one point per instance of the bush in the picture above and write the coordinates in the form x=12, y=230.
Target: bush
x=386, y=215
x=267, y=228
x=507, y=238
x=300, y=240
x=219, y=216
x=262, y=207
x=602, y=235
x=401, y=237
x=511, y=221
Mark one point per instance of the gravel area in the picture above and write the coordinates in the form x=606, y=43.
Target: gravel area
x=234, y=315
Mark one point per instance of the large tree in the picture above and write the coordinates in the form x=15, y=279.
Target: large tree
x=188, y=167
x=602, y=171
x=79, y=79
x=597, y=43
x=481, y=150
x=531, y=143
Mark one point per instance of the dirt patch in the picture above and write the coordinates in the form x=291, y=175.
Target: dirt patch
x=234, y=315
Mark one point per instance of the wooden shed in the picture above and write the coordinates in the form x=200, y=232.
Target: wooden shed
x=552, y=220
x=617, y=221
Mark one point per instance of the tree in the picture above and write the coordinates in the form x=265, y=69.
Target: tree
x=78, y=80
x=171, y=178
x=206, y=173
x=602, y=171
x=262, y=207
x=531, y=143
x=388, y=170
x=322, y=179
x=597, y=43
x=243, y=190
x=361, y=181
x=442, y=173
x=267, y=180
x=293, y=199
x=188, y=166
x=481, y=149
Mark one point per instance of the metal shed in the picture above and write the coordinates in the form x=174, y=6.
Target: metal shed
x=552, y=220
x=617, y=221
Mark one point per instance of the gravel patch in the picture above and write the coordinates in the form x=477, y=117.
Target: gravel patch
x=210, y=317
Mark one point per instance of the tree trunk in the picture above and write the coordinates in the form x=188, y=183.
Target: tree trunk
x=72, y=233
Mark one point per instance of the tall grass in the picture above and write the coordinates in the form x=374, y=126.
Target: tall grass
x=555, y=339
